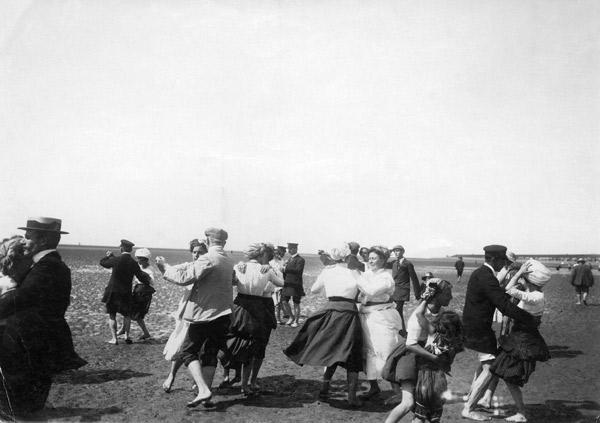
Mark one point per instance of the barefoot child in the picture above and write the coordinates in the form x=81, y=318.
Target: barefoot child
x=520, y=349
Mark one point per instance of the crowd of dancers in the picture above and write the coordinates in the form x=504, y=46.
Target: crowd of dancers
x=361, y=328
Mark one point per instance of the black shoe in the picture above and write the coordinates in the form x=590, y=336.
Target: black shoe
x=585, y=302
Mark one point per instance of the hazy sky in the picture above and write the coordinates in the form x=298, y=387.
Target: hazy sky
x=440, y=125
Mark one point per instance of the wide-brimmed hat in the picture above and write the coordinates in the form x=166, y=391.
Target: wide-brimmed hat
x=45, y=224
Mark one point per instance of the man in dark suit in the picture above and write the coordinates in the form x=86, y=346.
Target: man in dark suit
x=404, y=274
x=292, y=286
x=46, y=288
x=118, y=295
x=483, y=295
x=582, y=279
x=459, y=265
x=352, y=259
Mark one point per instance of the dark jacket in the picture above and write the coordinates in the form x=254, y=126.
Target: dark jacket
x=124, y=268
x=292, y=272
x=483, y=296
x=354, y=263
x=403, y=274
x=459, y=265
x=47, y=290
x=582, y=276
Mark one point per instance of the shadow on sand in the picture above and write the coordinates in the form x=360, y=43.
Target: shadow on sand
x=285, y=391
x=562, y=351
x=85, y=414
x=84, y=377
x=559, y=411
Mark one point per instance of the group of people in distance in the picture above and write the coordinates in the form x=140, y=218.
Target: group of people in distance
x=361, y=328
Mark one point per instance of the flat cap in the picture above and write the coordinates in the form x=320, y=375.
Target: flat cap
x=398, y=247
x=126, y=243
x=281, y=247
x=216, y=234
x=292, y=245
x=495, y=251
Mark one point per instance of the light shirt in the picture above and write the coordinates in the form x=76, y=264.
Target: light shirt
x=416, y=333
x=376, y=286
x=148, y=270
x=253, y=282
x=532, y=302
x=40, y=255
x=212, y=294
x=337, y=281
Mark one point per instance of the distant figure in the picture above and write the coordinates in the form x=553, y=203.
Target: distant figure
x=118, y=294
x=483, y=296
x=293, y=285
x=582, y=279
x=459, y=265
x=35, y=339
x=352, y=260
x=403, y=272
x=277, y=265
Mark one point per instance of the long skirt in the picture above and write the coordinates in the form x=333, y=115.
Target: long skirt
x=518, y=353
x=140, y=301
x=252, y=320
x=381, y=325
x=331, y=336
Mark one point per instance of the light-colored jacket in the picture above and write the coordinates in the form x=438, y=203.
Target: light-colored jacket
x=211, y=295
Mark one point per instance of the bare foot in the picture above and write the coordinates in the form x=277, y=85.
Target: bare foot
x=168, y=383
x=519, y=417
x=474, y=415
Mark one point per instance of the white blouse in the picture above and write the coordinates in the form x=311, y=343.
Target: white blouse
x=337, y=281
x=148, y=270
x=532, y=302
x=376, y=286
x=416, y=333
x=253, y=282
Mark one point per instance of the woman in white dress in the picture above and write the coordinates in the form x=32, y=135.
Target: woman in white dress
x=380, y=320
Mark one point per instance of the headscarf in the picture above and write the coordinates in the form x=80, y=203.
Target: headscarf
x=338, y=254
x=143, y=252
x=538, y=274
x=257, y=249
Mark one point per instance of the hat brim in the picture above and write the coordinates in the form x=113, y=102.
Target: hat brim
x=41, y=230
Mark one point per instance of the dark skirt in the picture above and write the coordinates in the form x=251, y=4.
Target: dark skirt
x=27, y=362
x=331, y=336
x=518, y=353
x=140, y=301
x=252, y=320
x=401, y=364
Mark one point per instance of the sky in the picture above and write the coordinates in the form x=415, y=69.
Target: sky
x=442, y=126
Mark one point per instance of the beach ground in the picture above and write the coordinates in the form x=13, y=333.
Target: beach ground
x=123, y=382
